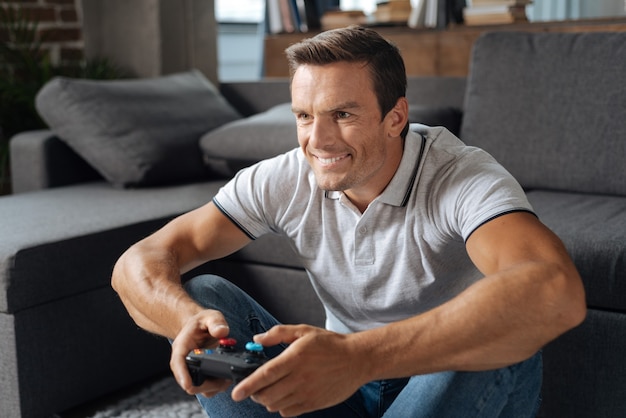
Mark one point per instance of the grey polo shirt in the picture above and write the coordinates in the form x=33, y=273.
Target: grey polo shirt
x=406, y=253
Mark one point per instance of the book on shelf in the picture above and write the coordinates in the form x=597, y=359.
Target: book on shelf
x=392, y=12
x=436, y=13
x=499, y=2
x=333, y=19
x=493, y=12
x=417, y=18
x=288, y=16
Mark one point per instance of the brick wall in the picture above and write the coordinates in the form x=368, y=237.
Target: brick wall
x=59, y=26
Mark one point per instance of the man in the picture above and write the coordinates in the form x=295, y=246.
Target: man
x=439, y=284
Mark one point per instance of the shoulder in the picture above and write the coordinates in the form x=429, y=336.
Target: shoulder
x=464, y=186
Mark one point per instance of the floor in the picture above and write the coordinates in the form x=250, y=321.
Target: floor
x=156, y=397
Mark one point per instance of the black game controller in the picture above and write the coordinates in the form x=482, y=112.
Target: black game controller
x=224, y=362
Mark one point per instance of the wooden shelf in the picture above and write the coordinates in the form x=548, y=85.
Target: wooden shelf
x=435, y=52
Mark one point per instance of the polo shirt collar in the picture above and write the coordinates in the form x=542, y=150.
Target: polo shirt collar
x=399, y=188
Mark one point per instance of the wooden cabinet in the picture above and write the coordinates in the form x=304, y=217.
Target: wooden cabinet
x=435, y=52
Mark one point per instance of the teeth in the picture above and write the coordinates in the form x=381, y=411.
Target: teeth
x=329, y=160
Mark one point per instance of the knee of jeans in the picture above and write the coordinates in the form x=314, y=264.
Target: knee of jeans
x=202, y=288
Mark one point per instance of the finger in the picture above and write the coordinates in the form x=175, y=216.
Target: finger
x=276, y=397
x=280, y=334
x=264, y=377
x=196, y=332
x=210, y=387
x=178, y=365
x=283, y=397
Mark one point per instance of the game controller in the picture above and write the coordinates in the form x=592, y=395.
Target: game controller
x=225, y=362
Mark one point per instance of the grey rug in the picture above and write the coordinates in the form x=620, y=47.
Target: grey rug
x=161, y=399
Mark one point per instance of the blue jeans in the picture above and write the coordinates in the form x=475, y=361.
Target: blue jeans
x=511, y=391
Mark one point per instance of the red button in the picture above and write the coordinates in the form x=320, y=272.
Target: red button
x=228, y=342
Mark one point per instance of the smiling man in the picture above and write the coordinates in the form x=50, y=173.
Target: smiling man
x=439, y=284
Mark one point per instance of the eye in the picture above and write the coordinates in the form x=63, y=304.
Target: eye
x=303, y=116
x=342, y=115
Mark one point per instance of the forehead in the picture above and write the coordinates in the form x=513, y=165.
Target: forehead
x=343, y=81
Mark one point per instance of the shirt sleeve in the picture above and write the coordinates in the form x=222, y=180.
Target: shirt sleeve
x=474, y=190
x=257, y=197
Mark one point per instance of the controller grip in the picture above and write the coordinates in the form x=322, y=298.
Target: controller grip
x=197, y=378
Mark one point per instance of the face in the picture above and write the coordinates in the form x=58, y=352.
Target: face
x=340, y=129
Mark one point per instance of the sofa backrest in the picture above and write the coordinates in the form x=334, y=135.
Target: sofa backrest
x=551, y=107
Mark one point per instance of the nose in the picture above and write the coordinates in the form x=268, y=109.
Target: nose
x=320, y=134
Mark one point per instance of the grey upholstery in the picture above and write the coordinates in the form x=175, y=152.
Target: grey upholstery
x=551, y=109
x=137, y=132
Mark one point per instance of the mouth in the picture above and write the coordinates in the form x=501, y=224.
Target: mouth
x=331, y=160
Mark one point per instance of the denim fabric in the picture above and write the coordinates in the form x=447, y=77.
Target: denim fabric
x=509, y=392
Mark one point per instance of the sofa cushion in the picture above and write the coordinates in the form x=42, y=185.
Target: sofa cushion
x=244, y=142
x=448, y=117
x=140, y=132
x=593, y=228
x=550, y=107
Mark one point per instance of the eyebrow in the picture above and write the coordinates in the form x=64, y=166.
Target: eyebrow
x=341, y=106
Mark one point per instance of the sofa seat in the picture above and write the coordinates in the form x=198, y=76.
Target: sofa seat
x=79, y=222
x=60, y=321
x=593, y=228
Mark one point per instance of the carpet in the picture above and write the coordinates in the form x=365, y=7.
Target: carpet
x=161, y=399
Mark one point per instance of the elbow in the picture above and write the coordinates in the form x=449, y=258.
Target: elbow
x=121, y=277
x=116, y=281
x=572, y=305
x=117, y=278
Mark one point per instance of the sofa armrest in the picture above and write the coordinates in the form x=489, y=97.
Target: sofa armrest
x=39, y=160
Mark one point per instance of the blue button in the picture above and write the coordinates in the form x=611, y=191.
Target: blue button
x=256, y=347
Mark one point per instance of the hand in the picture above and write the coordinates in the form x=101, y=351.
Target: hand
x=319, y=369
x=201, y=330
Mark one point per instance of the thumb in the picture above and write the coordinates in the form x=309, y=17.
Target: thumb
x=218, y=328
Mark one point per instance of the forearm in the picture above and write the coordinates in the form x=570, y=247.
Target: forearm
x=147, y=275
x=148, y=282
x=501, y=320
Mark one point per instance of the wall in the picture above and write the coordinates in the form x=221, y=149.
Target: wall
x=146, y=37
x=153, y=37
x=59, y=26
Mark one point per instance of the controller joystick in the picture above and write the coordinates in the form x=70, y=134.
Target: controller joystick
x=224, y=362
x=227, y=345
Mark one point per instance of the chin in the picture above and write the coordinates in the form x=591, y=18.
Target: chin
x=331, y=182
x=328, y=186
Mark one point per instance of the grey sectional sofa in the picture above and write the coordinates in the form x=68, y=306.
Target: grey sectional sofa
x=550, y=107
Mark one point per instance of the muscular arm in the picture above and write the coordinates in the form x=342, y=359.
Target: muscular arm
x=530, y=294
x=147, y=275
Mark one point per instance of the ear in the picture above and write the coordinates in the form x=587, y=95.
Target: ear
x=397, y=117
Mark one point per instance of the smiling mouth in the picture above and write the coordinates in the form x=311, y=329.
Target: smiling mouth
x=332, y=160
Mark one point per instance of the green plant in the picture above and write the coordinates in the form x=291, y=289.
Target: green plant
x=25, y=67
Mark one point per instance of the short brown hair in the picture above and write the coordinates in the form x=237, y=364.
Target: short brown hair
x=356, y=44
